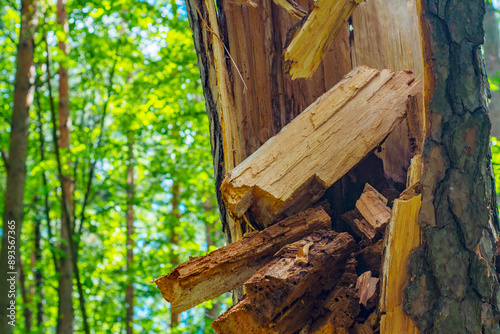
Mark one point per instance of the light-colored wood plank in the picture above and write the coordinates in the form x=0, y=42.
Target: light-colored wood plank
x=335, y=133
x=373, y=207
x=206, y=277
x=310, y=44
x=403, y=235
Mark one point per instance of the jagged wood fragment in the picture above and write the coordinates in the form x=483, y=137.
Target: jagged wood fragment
x=281, y=295
x=294, y=168
x=366, y=287
x=291, y=7
x=227, y=268
x=373, y=207
x=310, y=44
x=402, y=236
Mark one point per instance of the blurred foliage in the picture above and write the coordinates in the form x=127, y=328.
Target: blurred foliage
x=132, y=70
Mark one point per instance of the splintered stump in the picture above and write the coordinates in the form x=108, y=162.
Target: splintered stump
x=295, y=167
x=281, y=296
x=227, y=268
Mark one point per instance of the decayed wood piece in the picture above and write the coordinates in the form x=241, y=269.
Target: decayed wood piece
x=366, y=287
x=341, y=305
x=310, y=44
x=293, y=169
x=227, y=268
x=402, y=236
x=281, y=295
x=359, y=225
x=373, y=207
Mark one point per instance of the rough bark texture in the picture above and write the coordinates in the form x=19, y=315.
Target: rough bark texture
x=129, y=290
x=454, y=286
x=65, y=317
x=16, y=173
x=227, y=268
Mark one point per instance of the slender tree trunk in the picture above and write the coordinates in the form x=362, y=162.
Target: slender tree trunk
x=213, y=312
x=27, y=312
x=129, y=297
x=16, y=173
x=65, y=319
x=174, y=239
x=37, y=273
x=492, y=56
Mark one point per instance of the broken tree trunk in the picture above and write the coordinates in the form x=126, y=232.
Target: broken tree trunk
x=335, y=133
x=227, y=268
x=281, y=294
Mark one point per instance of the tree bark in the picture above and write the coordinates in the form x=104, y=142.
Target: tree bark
x=16, y=173
x=454, y=285
x=129, y=294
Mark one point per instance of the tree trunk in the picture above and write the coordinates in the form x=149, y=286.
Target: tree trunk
x=65, y=319
x=454, y=280
x=16, y=173
x=250, y=97
x=129, y=294
x=174, y=241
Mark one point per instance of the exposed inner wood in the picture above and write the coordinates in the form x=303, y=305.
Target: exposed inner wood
x=203, y=278
x=310, y=44
x=291, y=7
x=335, y=133
x=280, y=296
x=402, y=236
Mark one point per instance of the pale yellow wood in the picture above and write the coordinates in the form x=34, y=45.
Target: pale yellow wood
x=293, y=169
x=403, y=235
x=311, y=43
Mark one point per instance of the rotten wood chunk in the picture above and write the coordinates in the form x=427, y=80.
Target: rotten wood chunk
x=370, y=258
x=359, y=225
x=294, y=168
x=310, y=45
x=373, y=207
x=281, y=295
x=367, y=288
x=227, y=268
x=341, y=305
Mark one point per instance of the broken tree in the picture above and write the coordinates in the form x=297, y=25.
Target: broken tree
x=250, y=97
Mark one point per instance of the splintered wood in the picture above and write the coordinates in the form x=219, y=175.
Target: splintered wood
x=281, y=295
x=310, y=44
x=227, y=268
x=294, y=168
x=403, y=235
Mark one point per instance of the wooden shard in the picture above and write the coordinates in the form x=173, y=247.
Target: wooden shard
x=291, y=7
x=402, y=236
x=282, y=294
x=366, y=287
x=373, y=207
x=293, y=169
x=227, y=268
x=310, y=44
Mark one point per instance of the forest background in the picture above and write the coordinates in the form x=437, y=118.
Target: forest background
x=138, y=161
